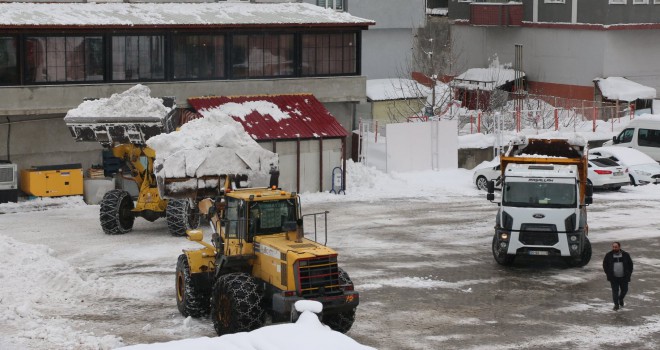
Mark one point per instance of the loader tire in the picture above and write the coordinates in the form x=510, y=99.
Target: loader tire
x=584, y=257
x=116, y=212
x=237, y=304
x=181, y=216
x=341, y=321
x=501, y=257
x=189, y=299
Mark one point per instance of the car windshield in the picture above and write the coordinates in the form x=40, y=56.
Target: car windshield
x=539, y=195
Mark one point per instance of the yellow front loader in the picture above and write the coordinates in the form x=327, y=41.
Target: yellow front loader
x=259, y=263
x=126, y=138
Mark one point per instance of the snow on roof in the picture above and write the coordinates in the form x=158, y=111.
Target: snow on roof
x=395, y=89
x=276, y=117
x=134, y=103
x=170, y=14
x=486, y=78
x=622, y=89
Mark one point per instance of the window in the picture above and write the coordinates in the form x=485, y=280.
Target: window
x=555, y=1
x=198, y=56
x=331, y=4
x=640, y=2
x=262, y=55
x=8, y=61
x=138, y=57
x=326, y=54
x=648, y=138
x=626, y=135
x=616, y=2
x=64, y=59
x=656, y=2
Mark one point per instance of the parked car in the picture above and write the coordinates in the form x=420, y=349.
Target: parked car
x=485, y=172
x=642, y=169
x=605, y=173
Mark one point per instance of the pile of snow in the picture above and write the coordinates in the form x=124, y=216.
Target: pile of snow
x=487, y=78
x=134, y=103
x=40, y=280
x=622, y=89
x=42, y=203
x=307, y=332
x=211, y=146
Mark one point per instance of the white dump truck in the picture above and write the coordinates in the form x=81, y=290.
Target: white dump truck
x=543, y=209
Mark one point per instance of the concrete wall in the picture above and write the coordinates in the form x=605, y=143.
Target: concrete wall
x=635, y=55
x=422, y=146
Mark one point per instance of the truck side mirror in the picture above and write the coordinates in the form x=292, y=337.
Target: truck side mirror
x=589, y=195
x=491, y=186
x=615, y=140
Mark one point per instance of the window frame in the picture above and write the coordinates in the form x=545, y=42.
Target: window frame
x=554, y=1
x=618, y=2
x=352, y=59
x=252, y=37
x=189, y=56
x=337, y=5
x=640, y=2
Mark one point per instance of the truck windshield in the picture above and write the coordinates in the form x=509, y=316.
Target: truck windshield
x=268, y=217
x=539, y=195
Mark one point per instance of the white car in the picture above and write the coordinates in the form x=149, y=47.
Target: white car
x=642, y=169
x=485, y=172
x=605, y=173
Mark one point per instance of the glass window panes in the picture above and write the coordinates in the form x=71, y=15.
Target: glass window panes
x=262, y=55
x=8, y=61
x=326, y=54
x=138, y=57
x=198, y=56
x=64, y=59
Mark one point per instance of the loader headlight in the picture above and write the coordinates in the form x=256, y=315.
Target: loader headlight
x=504, y=236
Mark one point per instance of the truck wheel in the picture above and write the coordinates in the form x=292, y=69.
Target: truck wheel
x=189, y=300
x=341, y=321
x=181, y=216
x=584, y=257
x=500, y=254
x=116, y=212
x=482, y=183
x=236, y=304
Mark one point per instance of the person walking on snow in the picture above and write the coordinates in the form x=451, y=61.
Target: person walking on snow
x=618, y=267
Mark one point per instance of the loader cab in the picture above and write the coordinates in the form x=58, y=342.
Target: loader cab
x=262, y=212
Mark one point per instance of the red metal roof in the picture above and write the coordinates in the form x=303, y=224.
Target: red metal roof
x=308, y=118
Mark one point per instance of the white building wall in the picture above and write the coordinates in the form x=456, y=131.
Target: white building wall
x=422, y=146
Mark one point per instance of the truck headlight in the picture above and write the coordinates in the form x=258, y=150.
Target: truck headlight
x=574, y=246
x=504, y=236
x=573, y=238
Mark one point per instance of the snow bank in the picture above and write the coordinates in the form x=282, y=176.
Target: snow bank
x=39, y=281
x=395, y=89
x=134, y=103
x=307, y=332
x=42, y=203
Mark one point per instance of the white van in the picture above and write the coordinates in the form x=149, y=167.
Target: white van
x=642, y=134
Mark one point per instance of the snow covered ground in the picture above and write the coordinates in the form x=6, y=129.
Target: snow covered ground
x=417, y=246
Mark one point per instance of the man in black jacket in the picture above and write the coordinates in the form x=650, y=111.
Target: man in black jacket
x=618, y=267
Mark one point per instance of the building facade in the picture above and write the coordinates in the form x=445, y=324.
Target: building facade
x=54, y=55
x=566, y=43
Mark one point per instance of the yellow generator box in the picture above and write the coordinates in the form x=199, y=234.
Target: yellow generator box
x=53, y=180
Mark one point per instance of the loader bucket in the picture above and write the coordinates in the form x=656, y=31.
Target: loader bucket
x=113, y=131
x=181, y=188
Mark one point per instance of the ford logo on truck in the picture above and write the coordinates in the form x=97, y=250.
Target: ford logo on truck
x=538, y=216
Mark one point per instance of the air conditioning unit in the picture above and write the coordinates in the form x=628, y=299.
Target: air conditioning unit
x=8, y=182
